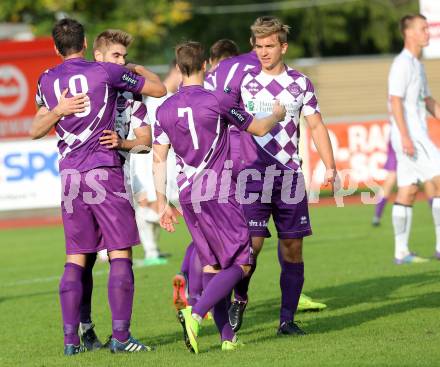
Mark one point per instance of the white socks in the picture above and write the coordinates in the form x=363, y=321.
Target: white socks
x=436, y=217
x=402, y=218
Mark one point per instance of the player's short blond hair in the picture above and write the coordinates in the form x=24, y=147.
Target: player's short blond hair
x=266, y=26
x=112, y=37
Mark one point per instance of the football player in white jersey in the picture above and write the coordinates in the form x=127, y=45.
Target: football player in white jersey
x=418, y=159
x=132, y=133
x=142, y=177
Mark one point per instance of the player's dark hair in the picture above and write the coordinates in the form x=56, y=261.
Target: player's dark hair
x=112, y=37
x=267, y=25
x=190, y=57
x=406, y=21
x=222, y=49
x=68, y=35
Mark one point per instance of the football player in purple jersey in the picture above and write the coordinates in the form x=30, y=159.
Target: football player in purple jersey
x=192, y=122
x=95, y=210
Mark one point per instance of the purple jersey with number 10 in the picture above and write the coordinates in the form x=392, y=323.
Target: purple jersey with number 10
x=192, y=123
x=79, y=133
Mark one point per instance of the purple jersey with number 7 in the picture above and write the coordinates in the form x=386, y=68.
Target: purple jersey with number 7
x=192, y=123
x=79, y=133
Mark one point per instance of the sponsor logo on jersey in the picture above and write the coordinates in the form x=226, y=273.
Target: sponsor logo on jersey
x=294, y=89
x=129, y=80
x=253, y=87
x=227, y=90
x=257, y=223
x=237, y=115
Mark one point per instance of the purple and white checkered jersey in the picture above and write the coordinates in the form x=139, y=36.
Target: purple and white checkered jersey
x=79, y=133
x=131, y=113
x=192, y=123
x=296, y=92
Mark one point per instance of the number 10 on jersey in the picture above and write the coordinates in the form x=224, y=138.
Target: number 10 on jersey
x=192, y=129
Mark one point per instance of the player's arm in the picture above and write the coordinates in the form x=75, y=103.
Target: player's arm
x=433, y=107
x=397, y=111
x=321, y=139
x=167, y=214
x=141, y=143
x=153, y=86
x=46, y=119
x=262, y=126
x=255, y=126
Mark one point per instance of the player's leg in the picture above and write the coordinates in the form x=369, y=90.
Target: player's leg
x=240, y=301
x=387, y=187
x=217, y=243
x=402, y=219
x=291, y=284
x=391, y=167
x=291, y=218
x=88, y=336
x=305, y=302
x=195, y=278
x=428, y=160
x=71, y=293
x=147, y=223
x=116, y=220
x=430, y=191
x=257, y=217
x=120, y=296
x=434, y=187
x=410, y=170
x=82, y=236
x=180, y=280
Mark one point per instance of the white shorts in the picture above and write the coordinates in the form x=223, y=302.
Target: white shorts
x=141, y=177
x=422, y=167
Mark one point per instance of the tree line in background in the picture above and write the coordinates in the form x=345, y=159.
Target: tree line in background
x=320, y=28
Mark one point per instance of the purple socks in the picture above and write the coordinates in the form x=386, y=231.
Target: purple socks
x=87, y=282
x=184, y=269
x=220, y=310
x=192, y=269
x=380, y=207
x=195, y=278
x=217, y=288
x=71, y=292
x=120, y=296
x=291, y=283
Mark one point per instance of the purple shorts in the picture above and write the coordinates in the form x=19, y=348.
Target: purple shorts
x=96, y=212
x=219, y=233
x=287, y=203
x=391, y=163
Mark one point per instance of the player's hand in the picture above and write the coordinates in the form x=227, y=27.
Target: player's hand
x=332, y=180
x=279, y=111
x=68, y=106
x=408, y=146
x=134, y=68
x=168, y=218
x=110, y=139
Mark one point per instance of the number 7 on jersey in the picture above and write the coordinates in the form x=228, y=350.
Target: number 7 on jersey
x=192, y=129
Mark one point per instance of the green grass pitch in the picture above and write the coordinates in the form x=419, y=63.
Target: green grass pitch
x=379, y=314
